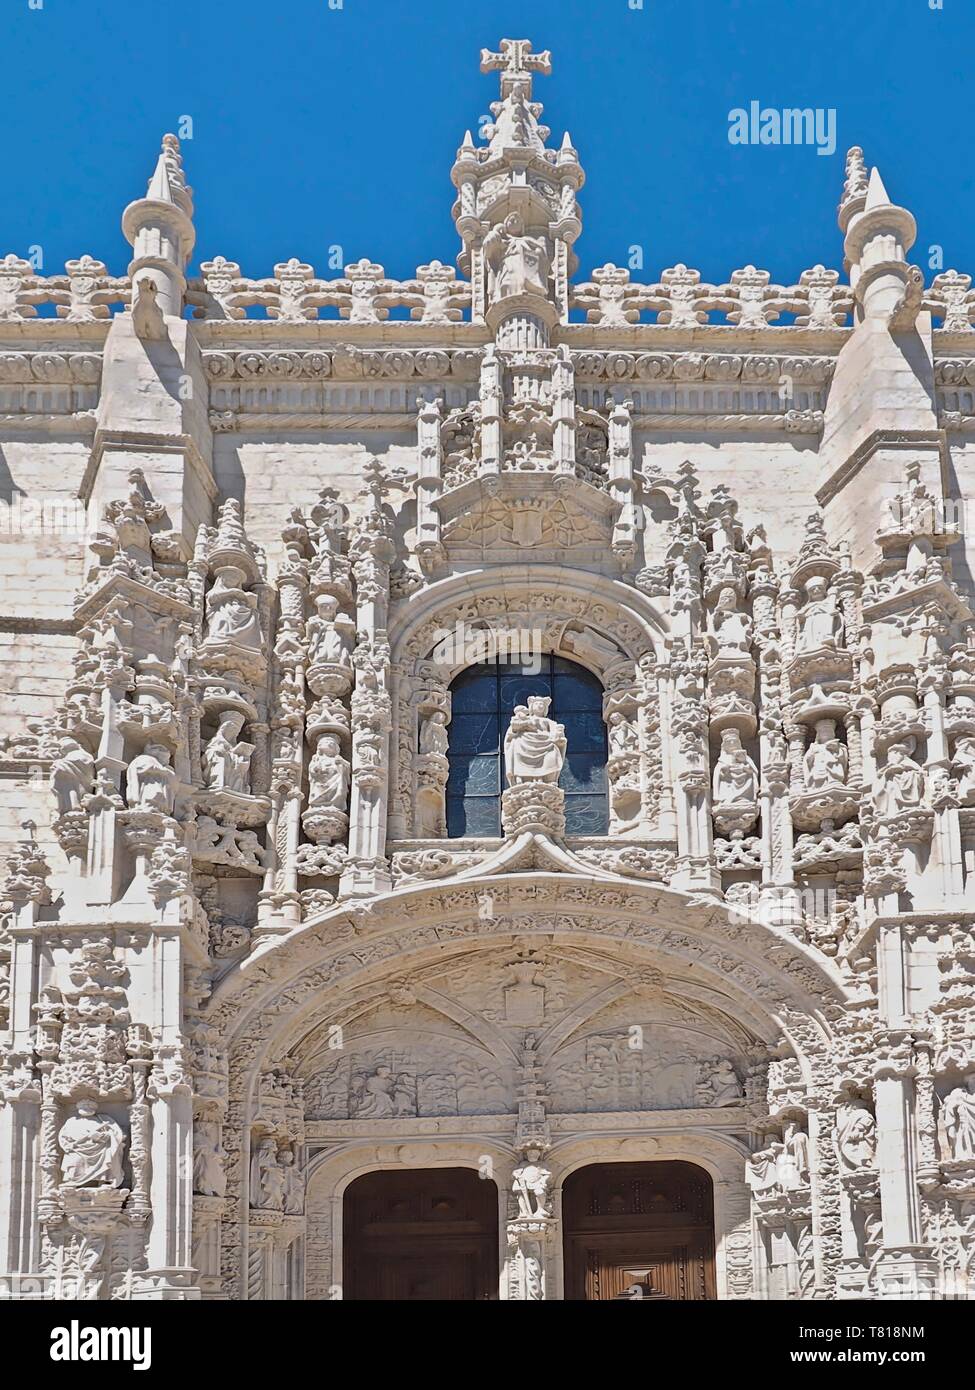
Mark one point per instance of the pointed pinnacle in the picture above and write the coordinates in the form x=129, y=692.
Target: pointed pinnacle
x=876, y=192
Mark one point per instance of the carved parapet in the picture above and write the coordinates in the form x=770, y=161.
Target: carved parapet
x=538, y=807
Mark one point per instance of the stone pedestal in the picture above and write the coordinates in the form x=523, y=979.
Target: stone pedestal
x=538, y=807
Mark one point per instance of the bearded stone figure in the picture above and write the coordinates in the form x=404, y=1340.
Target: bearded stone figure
x=534, y=746
x=958, y=1113
x=72, y=773
x=92, y=1146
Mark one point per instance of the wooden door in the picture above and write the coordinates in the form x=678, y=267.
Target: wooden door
x=420, y=1235
x=639, y=1230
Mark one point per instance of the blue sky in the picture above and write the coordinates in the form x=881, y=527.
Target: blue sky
x=315, y=126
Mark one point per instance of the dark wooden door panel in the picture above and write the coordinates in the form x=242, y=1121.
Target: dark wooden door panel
x=639, y=1230
x=421, y=1235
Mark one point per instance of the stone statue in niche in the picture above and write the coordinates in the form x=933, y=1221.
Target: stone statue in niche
x=820, y=624
x=735, y=781
x=226, y=762
x=855, y=1135
x=92, y=1146
x=433, y=733
x=150, y=783
x=534, y=746
x=826, y=762
x=267, y=1177
x=231, y=611
x=958, y=1113
x=732, y=629
x=794, y=1164
x=963, y=765
x=72, y=773
x=623, y=735
x=530, y=1184
x=209, y=1178
x=519, y=263
x=329, y=775
x=294, y=1183
x=901, y=781
x=326, y=642
x=762, y=1168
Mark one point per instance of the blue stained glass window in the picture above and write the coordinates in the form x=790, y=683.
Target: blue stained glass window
x=482, y=699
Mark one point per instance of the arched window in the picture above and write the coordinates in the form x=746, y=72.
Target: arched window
x=482, y=699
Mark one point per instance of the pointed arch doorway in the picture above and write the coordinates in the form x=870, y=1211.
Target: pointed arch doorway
x=639, y=1230
x=421, y=1234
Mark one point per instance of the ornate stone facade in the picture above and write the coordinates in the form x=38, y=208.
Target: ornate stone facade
x=247, y=956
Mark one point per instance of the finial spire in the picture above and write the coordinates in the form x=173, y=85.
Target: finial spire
x=854, y=189
x=516, y=62
x=159, y=228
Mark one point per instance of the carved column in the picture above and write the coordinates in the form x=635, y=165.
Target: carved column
x=372, y=552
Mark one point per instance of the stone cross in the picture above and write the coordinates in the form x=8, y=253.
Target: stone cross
x=516, y=62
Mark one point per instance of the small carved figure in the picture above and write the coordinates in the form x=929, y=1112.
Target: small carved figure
x=231, y=611
x=735, y=780
x=226, y=762
x=433, y=733
x=267, y=1177
x=958, y=1112
x=530, y=1183
x=294, y=1183
x=329, y=775
x=372, y=1096
x=326, y=643
x=150, y=783
x=534, y=746
x=725, y=1086
x=93, y=1146
x=519, y=263
x=72, y=773
x=826, y=762
x=901, y=781
x=794, y=1166
x=963, y=763
x=623, y=735
x=762, y=1168
x=820, y=624
x=209, y=1178
x=855, y=1135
